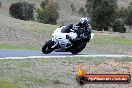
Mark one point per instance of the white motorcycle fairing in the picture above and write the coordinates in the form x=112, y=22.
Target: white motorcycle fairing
x=61, y=39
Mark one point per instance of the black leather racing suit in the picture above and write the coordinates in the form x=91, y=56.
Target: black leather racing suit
x=83, y=33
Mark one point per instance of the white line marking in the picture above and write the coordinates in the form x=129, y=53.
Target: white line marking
x=64, y=56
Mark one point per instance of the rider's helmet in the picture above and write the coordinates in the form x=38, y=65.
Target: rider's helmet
x=83, y=22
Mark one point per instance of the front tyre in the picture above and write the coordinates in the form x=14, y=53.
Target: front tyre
x=47, y=48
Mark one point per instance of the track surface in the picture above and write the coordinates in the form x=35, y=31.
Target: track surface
x=21, y=54
x=27, y=53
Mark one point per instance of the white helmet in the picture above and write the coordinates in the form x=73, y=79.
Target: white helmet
x=83, y=22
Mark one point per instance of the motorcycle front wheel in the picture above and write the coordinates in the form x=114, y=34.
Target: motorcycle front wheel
x=47, y=48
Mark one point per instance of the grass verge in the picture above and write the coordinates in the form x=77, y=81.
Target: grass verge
x=111, y=39
x=17, y=47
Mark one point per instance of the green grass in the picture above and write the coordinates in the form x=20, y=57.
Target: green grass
x=126, y=59
x=111, y=40
x=6, y=84
x=40, y=27
x=35, y=79
x=26, y=64
x=39, y=30
x=17, y=47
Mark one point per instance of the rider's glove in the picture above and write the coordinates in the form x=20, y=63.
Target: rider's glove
x=86, y=38
x=68, y=37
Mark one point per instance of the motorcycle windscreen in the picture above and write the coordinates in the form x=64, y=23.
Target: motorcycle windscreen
x=65, y=30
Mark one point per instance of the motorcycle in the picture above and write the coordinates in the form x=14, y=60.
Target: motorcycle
x=61, y=40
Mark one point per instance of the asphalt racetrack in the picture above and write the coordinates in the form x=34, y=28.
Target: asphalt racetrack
x=22, y=54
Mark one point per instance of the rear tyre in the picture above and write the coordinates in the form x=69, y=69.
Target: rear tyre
x=47, y=47
x=78, y=48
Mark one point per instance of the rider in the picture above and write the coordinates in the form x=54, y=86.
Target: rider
x=83, y=30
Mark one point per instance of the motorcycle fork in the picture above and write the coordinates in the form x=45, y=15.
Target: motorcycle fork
x=56, y=43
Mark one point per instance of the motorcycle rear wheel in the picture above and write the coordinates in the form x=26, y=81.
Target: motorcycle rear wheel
x=47, y=47
x=78, y=48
